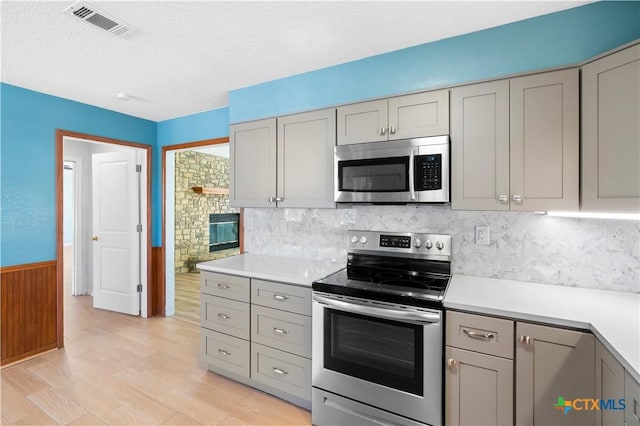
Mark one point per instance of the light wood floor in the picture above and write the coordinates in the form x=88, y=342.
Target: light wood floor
x=188, y=297
x=123, y=370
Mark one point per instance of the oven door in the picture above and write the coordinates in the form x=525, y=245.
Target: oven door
x=383, y=355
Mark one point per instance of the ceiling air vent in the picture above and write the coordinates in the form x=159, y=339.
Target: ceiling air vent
x=92, y=15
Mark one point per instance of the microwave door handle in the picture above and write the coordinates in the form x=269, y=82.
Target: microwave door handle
x=412, y=187
x=388, y=313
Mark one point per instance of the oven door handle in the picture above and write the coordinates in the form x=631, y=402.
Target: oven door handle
x=388, y=313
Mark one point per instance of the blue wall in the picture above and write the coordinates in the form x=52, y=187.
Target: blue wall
x=557, y=39
x=196, y=127
x=27, y=180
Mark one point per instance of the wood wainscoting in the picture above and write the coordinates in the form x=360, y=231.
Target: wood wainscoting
x=28, y=310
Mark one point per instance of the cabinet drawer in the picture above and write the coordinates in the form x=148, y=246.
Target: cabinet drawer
x=224, y=315
x=479, y=333
x=229, y=286
x=281, y=370
x=281, y=296
x=281, y=330
x=229, y=353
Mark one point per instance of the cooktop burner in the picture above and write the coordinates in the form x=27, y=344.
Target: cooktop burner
x=413, y=269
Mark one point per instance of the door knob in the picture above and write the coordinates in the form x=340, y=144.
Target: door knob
x=94, y=238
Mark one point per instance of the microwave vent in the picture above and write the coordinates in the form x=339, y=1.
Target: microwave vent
x=83, y=11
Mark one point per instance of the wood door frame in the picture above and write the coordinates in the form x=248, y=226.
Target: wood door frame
x=162, y=285
x=60, y=135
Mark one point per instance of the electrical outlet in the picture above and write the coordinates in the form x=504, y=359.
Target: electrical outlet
x=482, y=235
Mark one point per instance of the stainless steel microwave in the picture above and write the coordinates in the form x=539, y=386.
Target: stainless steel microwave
x=393, y=172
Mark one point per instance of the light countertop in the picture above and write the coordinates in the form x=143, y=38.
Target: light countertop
x=613, y=317
x=272, y=268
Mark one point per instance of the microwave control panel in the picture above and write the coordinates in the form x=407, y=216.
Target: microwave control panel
x=428, y=172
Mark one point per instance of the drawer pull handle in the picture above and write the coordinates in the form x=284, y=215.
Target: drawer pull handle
x=525, y=339
x=280, y=298
x=280, y=372
x=224, y=286
x=223, y=316
x=225, y=353
x=280, y=331
x=479, y=336
x=452, y=363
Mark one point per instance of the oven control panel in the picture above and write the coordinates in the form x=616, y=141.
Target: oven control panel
x=409, y=244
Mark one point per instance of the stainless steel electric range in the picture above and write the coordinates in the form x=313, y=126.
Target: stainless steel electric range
x=377, y=332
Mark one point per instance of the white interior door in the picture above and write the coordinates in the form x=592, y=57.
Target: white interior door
x=116, y=240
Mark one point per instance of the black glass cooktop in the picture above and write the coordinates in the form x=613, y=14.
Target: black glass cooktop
x=399, y=280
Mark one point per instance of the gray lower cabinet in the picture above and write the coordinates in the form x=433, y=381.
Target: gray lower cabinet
x=552, y=365
x=609, y=387
x=632, y=401
x=610, y=133
x=479, y=370
x=259, y=333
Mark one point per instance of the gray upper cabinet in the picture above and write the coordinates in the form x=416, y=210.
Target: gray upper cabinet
x=515, y=144
x=402, y=117
x=632, y=401
x=283, y=162
x=305, y=159
x=552, y=363
x=252, y=164
x=480, y=146
x=611, y=133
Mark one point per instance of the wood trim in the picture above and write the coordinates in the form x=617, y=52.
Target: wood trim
x=162, y=299
x=157, y=265
x=28, y=266
x=60, y=135
x=28, y=311
x=210, y=191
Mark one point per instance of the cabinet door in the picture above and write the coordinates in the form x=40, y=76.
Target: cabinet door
x=363, y=122
x=609, y=386
x=552, y=363
x=480, y=146
x=421, y=114
x=305, y=159
x=610, y=133
x=252, y=164
x=478, y=389
x=632, y=401
x=544, y=141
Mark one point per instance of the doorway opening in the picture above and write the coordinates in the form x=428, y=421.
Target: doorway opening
x=103, y=225
x=196, y=186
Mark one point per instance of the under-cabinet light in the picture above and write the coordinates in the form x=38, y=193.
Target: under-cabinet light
x=593, y=215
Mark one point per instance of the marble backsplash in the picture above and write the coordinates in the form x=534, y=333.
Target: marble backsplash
x=602, y=254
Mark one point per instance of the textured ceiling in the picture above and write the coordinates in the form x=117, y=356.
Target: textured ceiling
x=186, y=55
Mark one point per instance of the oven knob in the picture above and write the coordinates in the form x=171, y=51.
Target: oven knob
x=418, y=243
x=363, y=240
x=428, y=244
x=439, y=245
x=354, y=239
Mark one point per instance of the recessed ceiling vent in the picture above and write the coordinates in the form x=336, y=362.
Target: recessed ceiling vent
x=92, y=15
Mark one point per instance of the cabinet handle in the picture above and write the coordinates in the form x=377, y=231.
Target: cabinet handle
x=278, y=199
x=272, y=199
x=452, y=363
x=517, y=199
x=279, y=371
x=479, y=336
x=383, y=131
x=224, y=286
x=504, y=199
x=280, y=331
x=223, y=316
x=225, y=353
x=525, y=339
x=94, y=238
x=392, y=130
x=280, y=298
